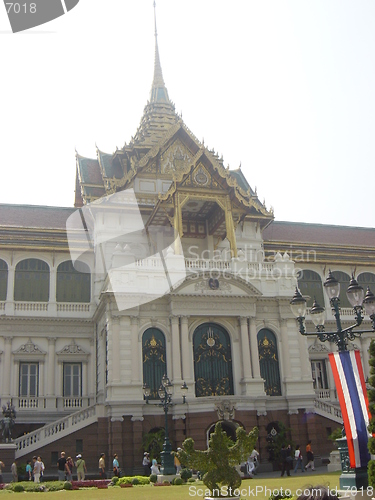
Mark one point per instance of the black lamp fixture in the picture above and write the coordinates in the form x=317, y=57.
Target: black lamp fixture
x=358, y=300
x=165, y=395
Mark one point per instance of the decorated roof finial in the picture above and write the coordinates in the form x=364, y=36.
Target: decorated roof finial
x=159, y=92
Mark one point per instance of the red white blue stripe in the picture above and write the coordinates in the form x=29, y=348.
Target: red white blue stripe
x=351, y=390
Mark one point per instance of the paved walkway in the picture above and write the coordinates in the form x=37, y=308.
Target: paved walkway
x=307, y=473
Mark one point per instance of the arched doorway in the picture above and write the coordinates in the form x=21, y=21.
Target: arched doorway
x=269, y=362
x=154, y=359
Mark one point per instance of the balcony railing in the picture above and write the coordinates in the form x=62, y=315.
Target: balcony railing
x=31, y=306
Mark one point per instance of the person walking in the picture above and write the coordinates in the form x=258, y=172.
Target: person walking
x=61, y=466
x=81, y=468
x=69, y=469
x=102, y=473
x=286, y=460
x=298, y=457
x=29, y=470
x=14, y=472
x=37, y=469
x=309, y=456
x=42, y=468
x=254, y=457
x=146, y=464
x=115, y=465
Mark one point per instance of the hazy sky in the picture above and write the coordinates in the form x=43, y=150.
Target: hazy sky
x=286, y=88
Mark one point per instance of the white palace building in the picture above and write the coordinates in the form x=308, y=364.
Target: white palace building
x=167, y=263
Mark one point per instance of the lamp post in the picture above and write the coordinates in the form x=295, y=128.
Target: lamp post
x=357, y=299
x=357, y=477
x=165, y=396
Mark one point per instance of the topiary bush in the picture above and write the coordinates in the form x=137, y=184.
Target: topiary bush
x=115, y=479
x=68, y=485
x=153, y=478
x=135, y=480
x=18, y=488
x=166, y=481
x=191, y=480
x=185, y=474
x=178, y=481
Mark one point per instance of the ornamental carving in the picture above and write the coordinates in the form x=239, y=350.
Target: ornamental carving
x=175, y=158
x=225, y=410
x=318, y=348
x=204, y=286
x=29, y=348
x=72, y=348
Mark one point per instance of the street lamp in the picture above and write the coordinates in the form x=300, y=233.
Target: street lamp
x=165, y=395
x=356, y=477
x=358, y=301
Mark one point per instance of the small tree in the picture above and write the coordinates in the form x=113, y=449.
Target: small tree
x=371, y=427
x=220, y=460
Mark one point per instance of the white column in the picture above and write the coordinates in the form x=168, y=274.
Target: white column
x=114, y=331
x=9, y=306
x=245, y=347
x=254, y=349
x=136, y=351
x=51, y=366
x=285, y=348
x=84, y=380
x=7, y=367
x=176, y=361
x=187, y=351
x=92, y=370
x=52, y=289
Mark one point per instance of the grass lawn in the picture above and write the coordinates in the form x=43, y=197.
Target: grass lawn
x=149, y=492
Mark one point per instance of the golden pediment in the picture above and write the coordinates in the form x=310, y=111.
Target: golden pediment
x=175, y=158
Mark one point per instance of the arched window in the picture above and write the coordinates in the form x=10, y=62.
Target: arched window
x=72, y=285
x=269, y=362
x=212, y=361
x=154, y=359
x=3, y=279
x=310, y=284
x=344, y=280
x=367, y=280
x=32, y=281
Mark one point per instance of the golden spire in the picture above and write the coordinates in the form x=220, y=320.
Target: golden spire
x=159, y=92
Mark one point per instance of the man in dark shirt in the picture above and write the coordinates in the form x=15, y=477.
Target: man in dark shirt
x=61, y=466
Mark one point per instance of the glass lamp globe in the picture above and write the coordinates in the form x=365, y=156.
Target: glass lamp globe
x=317, y=314
x=369, y=302
x=298, y=305
x=355, y=293
x=332, y=286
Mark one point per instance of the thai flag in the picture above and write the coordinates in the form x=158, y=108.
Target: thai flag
x=351, y=390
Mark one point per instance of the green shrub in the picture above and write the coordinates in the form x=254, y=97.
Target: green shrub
x=68, y=485
x=18, y=488
x=191, y=480
x=135, y=480
x=153, y=478
x=166, y=481
x=185, y=474
x=130, y=479
x=178, y=481
x=115, y=479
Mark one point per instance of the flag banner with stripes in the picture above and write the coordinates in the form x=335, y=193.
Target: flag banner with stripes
x=351, y=390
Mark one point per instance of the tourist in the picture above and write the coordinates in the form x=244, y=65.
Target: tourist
x=81, y=468
x=61, y=466
x=115, y=465
x=154, y=467
x=69, y=469
x=37, y=469
x=14, y=472
x=298, y=457
x=286, y=459
x=102, y=473
x=254, y=457
x=42, y=468
x=146, y=464
x=29, y=471
x=309, y=456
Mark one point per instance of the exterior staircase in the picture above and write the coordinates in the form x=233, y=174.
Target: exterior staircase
x=328, y=410
x=59, y=429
